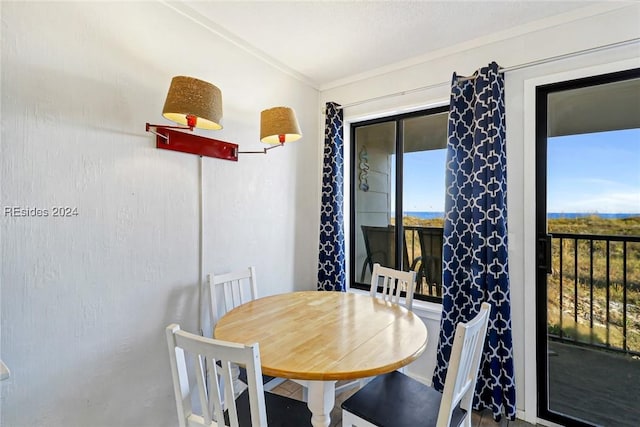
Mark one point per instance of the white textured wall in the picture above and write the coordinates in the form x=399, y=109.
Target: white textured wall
x=600, y=25
x=85, y=299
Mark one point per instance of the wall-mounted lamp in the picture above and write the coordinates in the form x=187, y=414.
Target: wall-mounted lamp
x=277, y=126
x=195, y=103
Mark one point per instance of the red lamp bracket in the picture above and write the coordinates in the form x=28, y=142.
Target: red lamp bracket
x=168, y=138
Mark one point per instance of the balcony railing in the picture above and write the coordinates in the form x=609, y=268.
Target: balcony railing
x=593, y=293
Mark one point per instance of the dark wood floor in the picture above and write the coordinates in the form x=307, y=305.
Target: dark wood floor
x=479, y=419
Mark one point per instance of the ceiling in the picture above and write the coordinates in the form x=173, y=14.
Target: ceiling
x=329, y=43
x=600, y=108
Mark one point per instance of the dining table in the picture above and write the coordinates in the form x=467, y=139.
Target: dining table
x=317, y=338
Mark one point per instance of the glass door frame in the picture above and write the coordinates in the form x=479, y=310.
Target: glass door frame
x=543, y=254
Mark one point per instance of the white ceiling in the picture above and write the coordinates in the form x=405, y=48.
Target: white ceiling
x=328, y=43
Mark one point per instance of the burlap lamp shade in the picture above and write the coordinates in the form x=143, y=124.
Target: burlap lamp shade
x=190, y=98
x=279, y=125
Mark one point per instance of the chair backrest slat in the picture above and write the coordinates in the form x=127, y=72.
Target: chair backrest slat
x=226, y=353
x=228, y=391
x=202, y=389
x=393, y=283
x=216, y=397
x=464, y=362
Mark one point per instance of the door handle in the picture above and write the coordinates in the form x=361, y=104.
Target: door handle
x=545, y=253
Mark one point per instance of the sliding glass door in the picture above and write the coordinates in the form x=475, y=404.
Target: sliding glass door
x=588, y=230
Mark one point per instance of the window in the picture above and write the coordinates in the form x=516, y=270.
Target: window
x=397, y=198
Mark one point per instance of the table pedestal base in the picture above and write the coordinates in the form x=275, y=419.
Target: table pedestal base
x=321, y=398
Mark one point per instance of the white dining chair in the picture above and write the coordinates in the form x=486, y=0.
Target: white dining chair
x=397, y=400
x=387, y=284
x=392, y=283
x=229, y=290
x=254, y=407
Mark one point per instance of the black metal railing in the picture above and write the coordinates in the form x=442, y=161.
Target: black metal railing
x=593, y=293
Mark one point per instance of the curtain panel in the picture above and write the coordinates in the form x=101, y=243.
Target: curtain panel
x=475, y=264
x=331, y=263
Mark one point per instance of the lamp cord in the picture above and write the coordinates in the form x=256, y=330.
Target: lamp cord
x=200, y=246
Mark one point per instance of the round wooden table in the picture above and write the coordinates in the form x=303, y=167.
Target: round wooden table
x=317, y=338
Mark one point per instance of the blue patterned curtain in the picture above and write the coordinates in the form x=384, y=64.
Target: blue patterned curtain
x=475, y=265
x=331, y=263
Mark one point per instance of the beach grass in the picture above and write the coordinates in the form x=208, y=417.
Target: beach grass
x=586, y=301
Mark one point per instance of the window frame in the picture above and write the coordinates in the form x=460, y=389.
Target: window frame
x=399, y=170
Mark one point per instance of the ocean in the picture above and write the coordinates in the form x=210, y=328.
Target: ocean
x=550, y=215
x=423, y=215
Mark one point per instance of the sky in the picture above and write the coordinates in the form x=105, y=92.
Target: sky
x=587, y=173
x=594, y=173
x=424, y=181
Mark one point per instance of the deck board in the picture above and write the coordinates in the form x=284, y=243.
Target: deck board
x=596, y=385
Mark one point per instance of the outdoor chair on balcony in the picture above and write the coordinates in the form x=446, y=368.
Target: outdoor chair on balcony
x=380, y=246
x=431, y=239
